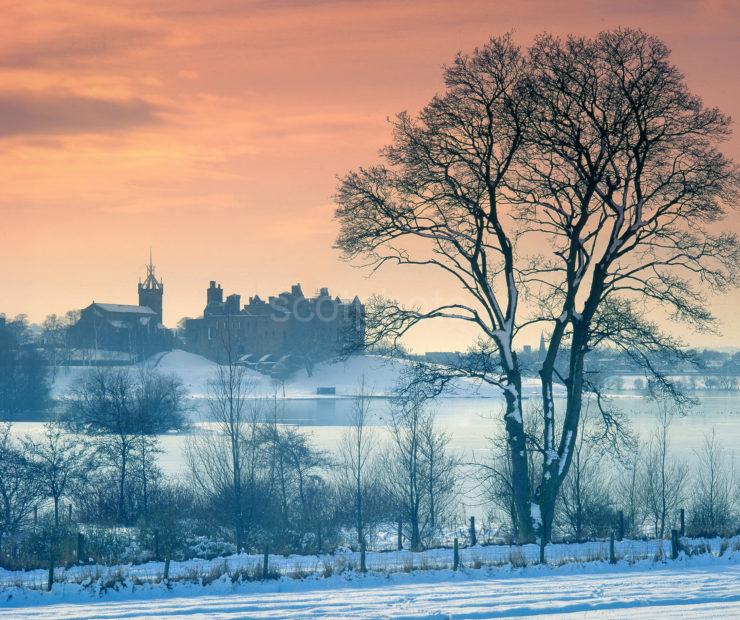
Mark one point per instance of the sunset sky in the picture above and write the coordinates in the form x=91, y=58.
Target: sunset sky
x=213, y=131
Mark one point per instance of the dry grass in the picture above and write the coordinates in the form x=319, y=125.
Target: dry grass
x=517, y=559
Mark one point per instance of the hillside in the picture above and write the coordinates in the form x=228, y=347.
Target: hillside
x=380, y=375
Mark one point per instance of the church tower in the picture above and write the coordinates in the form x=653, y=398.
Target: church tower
x=542, y=353
x=151, y=290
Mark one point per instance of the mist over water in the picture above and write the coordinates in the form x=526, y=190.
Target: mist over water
x=469, y=421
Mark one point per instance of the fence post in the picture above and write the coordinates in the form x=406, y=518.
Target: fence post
x=80, y=547
x=683, y=523
x=674, y=544
x=400, y=534
x=156, y=543
x=166, y=575
x=50, y=578
x=455, y=556
x=621, y=525
x=363, y=566
x=473, y=537
x=265, y=563
x=612, y=554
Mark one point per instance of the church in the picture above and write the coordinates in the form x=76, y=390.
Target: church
x=134, y=329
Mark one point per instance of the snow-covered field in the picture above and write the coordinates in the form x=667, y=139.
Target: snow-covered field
x=380, y=375
x=698, y=587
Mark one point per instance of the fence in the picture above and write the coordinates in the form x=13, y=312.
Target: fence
x=252, y=566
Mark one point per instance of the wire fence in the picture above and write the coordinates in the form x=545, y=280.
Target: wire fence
x=243, y=567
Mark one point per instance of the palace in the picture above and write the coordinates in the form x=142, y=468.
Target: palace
x=290, y=324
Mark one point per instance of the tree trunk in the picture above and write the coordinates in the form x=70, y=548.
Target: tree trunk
x=556, y=463
x=122, y=486
x=521, y=491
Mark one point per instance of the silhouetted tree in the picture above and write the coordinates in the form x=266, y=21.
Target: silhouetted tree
x=24, y=373
x=595, y=152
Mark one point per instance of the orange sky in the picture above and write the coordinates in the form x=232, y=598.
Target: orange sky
x=213, y=131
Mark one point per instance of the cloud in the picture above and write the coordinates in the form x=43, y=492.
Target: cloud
x=47, y=113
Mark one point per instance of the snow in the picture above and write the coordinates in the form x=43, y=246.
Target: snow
x=536, y=514
x=568, y=439
x=380, y=374
x=697, y=587
x=126, y=308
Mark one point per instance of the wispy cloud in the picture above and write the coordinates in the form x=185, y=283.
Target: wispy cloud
x=48, y=113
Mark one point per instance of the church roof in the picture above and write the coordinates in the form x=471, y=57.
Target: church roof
x=125, y=308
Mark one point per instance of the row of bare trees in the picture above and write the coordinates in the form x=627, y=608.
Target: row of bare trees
x=266, y=481
x=392, y=464
x=99, y=453
x=644, y=479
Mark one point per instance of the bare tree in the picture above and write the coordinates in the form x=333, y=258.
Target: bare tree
x=404, y=474
x=19, y=491
x=122, y=411
x=664, y=478
x=437, y=204
x=229, y=392
x=585, y=503
x=440, y=472
x=60, y=463
x=102, y=404
x=420, y=472
x=627, y=490
x=357, y=471
x=592, y=149
x=713, y=496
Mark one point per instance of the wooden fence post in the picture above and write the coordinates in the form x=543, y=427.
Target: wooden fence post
x=166, y=575
x=683, y=523
x=621, y=525
x=612, y=554
x=265, y=563
x=473, y=537
x=674, y=544
x=400, y=534
x=455, y=556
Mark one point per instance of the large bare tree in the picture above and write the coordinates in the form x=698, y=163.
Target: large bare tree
x=591, y=150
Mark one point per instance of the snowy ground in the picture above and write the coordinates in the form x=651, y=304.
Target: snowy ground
x=379, y=373
x=698, y=587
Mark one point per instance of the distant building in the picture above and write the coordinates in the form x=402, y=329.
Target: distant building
x=137, y=330
x=289, y=324
x=447, y=358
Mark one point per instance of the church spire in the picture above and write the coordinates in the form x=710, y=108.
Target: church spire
x=151, y=290
x=151, y=283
